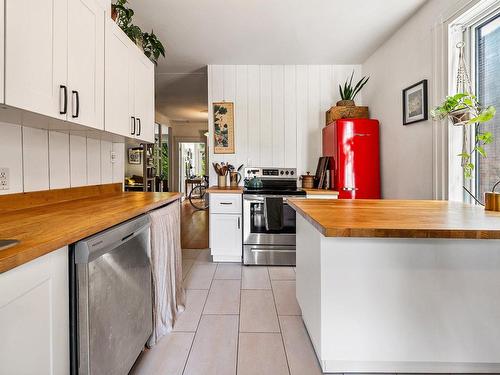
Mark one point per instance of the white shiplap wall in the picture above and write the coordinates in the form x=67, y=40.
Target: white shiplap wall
x=279, y=111
x=39, y=159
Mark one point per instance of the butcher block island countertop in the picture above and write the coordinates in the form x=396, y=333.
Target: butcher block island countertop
x=398, y=218
x=46, y=221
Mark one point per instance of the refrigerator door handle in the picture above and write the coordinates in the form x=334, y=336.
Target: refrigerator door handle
x=349, y=189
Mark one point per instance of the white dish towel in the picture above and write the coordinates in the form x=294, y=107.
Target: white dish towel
x=166, y=264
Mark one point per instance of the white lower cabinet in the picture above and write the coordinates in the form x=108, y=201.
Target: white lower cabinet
x=34, y=317
x=226, y=228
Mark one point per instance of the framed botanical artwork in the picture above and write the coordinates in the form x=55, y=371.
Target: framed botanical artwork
x=135, y=155
x=223, y=128
x=415, y=103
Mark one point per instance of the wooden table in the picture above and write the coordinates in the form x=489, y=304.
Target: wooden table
x=191, y=181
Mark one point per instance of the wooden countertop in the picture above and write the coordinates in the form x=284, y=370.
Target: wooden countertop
x=42, y=228
x=320, y=192
x=227, y=189
x=398, y=218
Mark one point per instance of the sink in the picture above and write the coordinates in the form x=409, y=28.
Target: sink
x=5, y=244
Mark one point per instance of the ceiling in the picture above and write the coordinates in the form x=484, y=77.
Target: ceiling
x=201, y=32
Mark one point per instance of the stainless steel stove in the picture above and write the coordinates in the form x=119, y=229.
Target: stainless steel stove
x=268, y=220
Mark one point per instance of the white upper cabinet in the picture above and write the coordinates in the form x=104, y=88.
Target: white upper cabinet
x=86, y=62
x=144, y=99
x=80, y=66
x=129, y=88
x=36, y=55
x=119, y=87
x=62, y=75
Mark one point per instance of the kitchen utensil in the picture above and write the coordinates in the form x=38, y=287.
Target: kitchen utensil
x=222, y=181
x=234, y=178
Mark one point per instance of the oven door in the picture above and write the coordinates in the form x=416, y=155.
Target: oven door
x=254, y=223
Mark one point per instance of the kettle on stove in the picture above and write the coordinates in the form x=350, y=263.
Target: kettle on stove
x=253, y=183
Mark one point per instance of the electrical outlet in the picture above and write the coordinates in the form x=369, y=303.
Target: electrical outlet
x=4, y=179
x=113, y=157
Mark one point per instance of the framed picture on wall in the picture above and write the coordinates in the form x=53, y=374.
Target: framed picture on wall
x=223, y=128
x=415, y=103
x=135, y=155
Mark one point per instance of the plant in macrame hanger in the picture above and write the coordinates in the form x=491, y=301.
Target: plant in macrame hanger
x=464, y=110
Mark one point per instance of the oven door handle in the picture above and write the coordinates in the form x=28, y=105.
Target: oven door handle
x=261, y=200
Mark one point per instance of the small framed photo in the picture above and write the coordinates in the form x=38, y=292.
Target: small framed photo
x=135, y=155
x=415, y=103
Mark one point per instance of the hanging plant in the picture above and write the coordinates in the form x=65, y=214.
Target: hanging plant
x=463, y=109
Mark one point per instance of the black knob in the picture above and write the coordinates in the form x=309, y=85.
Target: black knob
x=287, y=173
x=282, y=172
x=292, y=173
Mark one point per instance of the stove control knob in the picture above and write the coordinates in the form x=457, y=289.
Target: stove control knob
x=292, y=173
x=287, y=173
x=281, y=172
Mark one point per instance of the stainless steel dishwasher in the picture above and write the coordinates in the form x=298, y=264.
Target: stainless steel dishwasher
x=110, y=296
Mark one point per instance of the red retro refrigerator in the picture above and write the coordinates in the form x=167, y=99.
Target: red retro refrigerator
x=353, y=148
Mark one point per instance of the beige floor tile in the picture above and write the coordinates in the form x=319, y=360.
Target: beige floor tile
x=299, y=350
x=261, y=354
x=200, y=276
x=284, y=296
x=281, y=273
x=254, y=277
x=190, y=253
x=186, y=267
x=188, y=320
x=257, y=313
x=228, y=271
x=214, y=347
x=168, y=357
x=223, y=297
x=204, y=256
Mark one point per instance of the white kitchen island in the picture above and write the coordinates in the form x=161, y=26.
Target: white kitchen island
x=400, y=286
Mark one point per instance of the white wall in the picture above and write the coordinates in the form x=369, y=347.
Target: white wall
x=279, y=111
x=406, y=58
x=39, y=159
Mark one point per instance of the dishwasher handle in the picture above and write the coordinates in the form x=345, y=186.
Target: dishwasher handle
x=93, y=247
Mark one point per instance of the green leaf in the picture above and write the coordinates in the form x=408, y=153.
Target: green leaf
x=481, y=151
x=485, y=138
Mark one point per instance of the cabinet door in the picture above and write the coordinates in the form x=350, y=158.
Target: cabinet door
x=36, y=55
x=144, y=98
x=225, y=237
x=119, y=86
x=34, y=317
x=86, y=62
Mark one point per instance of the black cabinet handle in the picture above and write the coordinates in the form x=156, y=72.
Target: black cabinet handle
x=226, y=203
x=238, y=222
x=65, y=105
x=139, y=126
x=132, y=132
x=77, y=103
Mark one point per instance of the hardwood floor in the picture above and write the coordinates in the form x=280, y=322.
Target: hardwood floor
x=194, y=227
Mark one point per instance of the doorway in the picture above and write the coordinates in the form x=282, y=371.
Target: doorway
x=192, y=165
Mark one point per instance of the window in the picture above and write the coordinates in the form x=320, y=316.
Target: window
x=478, y=28
x=487, y=83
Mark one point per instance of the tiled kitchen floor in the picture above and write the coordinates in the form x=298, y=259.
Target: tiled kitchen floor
x=238, y=320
